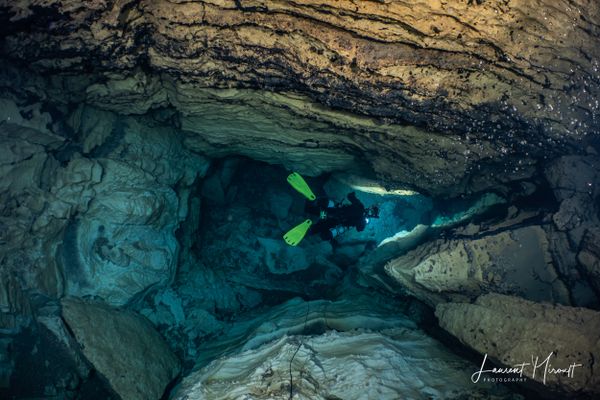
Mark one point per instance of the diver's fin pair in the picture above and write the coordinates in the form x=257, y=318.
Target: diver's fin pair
x=297, y=233
x=301, y=186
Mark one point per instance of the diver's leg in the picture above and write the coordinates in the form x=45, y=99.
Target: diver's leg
x=315, y=207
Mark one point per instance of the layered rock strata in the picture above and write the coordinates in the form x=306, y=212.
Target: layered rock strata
x=386, y=59
x=491, y=83
x=351, y=365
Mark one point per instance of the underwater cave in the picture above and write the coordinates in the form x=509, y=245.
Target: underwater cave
x=299, y=200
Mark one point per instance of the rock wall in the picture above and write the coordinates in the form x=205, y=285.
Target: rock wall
x=93, y=219
x=542, y=249
x=97, y=224
x=26, y=258
x=575, y=182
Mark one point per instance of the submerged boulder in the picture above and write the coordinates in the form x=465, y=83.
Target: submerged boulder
x=512, y=331
x=516, y=261
x=123, y=347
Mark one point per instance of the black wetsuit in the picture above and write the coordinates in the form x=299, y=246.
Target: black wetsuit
x=351, y=215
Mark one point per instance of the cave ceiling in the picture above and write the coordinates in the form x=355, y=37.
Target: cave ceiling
x=469, y=87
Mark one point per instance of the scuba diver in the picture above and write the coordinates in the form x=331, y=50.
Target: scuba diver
x=333, y=219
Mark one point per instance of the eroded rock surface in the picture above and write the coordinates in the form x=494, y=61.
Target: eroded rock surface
x=493, y=84
x=98, y=224
x=352, y=365
x=511, y=331
x=377, y=58
x=27, y=215
x=124, y=243
x=576, y=184
x=124, y=347
x=516, y=262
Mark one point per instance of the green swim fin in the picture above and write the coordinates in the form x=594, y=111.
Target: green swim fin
x=297, y=233
x=300, y=185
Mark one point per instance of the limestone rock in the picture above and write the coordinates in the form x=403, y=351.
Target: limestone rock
x=123, y=347
x=445, y=97
x=516, y=261
x=107, y=219
x=384, y=58
x=107, y=104
x=354, y=311
x=571, y=176
x=95, y=126
x=215, y=186
x=124, y=242
x=589, y=255
x=30, y=116
x=92, y=218
x=42, y=359
x=575, y=181
x=512, y=331
x=569, y=266
x=248, y=123
x=478, y=207
x=353, y=365
x=28, y=213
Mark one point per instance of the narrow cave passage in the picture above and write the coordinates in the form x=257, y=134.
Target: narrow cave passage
x=235, y=269
x=234, y=263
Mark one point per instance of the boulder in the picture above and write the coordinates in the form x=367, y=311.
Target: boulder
x=123, y=347
x=43, y=360
x=512, y=331
x=515, y=261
